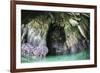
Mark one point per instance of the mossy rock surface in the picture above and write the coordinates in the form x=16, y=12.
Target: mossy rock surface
x=56, y=29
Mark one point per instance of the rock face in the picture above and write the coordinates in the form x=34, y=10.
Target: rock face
x=64, y=32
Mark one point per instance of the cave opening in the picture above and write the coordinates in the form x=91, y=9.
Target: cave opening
x=55, y=39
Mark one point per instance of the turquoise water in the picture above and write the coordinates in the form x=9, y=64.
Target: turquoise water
x=84, y=55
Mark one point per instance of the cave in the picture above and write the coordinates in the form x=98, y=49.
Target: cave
x=55, y=39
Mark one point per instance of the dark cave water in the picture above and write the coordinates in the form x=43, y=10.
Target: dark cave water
x=84, y=55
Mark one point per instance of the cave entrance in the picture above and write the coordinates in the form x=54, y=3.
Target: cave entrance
x=55, y=39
